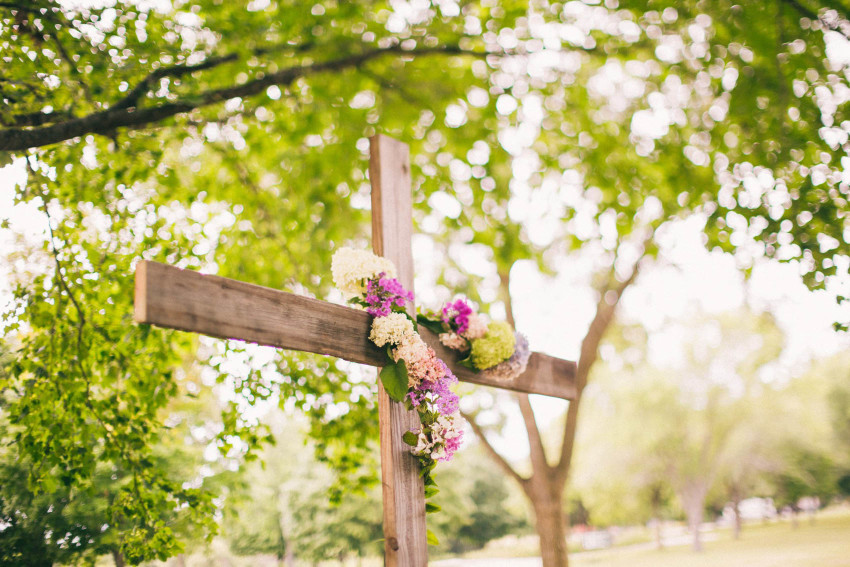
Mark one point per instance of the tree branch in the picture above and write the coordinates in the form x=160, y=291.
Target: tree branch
x=39, y=118
x=535, y=442
x=497, y=458
x=131, y=99
x=17, y=139
x=813, y=15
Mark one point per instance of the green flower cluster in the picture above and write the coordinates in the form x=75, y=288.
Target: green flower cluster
x=494, y=347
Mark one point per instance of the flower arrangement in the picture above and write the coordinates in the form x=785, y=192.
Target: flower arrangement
x=491, y=347
x=413, y=373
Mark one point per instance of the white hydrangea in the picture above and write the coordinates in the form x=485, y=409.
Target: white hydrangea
x=392, y=329
x=423, y=444
x=350, y=267
x=434, y=445
x=449, y=426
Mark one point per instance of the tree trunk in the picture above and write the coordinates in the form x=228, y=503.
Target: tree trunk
x=736, y=529
x=694, y=512
x=118, y=558
x=550, y=521
x=656, y=499
x=659, y=539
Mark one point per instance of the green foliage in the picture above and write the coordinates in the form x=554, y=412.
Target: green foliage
x=807, y=472
x=477, y=504
x=702, y=420
x=394, y=378
x=281, y=507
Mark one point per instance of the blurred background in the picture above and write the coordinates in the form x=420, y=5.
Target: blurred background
x=656, y=190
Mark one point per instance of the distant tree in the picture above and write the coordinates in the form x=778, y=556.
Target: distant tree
x=476, y=503
x=807, y=473
x=280, y=506
x=696, y=418
x=816, y=453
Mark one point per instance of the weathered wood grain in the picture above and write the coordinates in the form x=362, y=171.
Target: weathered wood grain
x=229, y=309
x=405, y=541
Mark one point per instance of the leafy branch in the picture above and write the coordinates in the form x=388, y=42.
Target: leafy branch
x=126, y=113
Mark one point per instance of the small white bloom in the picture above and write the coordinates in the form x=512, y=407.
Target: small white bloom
x=392, y=329
x=350, y=267
x=423, y=444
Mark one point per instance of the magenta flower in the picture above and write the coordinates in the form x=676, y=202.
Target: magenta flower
x=457, y=314
x=383, y=293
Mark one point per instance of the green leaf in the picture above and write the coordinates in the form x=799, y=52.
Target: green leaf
x=394, y=379
x=431, y=491
x=467, y=363
x=433, y=326
x=431, y=508
x=410, y=438
x=432, y=539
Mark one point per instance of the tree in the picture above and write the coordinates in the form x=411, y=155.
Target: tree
x=58, y=521
x=659, y=131
x=814, y=456
x=477, y=503
x=281, y=506
x=701, y=420
x=235, y=111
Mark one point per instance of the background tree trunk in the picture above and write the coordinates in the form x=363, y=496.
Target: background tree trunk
x=550, y=522
x=545, y=487
x=736, y=530
x=694, y=501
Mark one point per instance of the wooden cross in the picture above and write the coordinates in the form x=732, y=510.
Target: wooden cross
x=230, y=309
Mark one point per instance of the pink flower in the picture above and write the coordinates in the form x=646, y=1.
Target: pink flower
x=476, y=327
x=454, y=341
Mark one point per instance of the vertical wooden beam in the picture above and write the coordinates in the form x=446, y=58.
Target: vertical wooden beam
x=405, y=542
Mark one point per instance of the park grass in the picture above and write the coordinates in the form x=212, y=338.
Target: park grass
x=826, y=543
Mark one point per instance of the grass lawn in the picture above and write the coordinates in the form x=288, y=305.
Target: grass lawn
x=824, y=544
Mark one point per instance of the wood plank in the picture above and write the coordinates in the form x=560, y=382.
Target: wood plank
x=544, y=375
x=229, y=309
x=181, y=299
x=405, y=542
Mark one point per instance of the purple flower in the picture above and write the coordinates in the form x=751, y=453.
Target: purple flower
x=452, y=445
x=437, y=394
x=383, y=293
x=457, y=314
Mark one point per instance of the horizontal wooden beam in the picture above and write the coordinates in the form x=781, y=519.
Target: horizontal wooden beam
x=229, y=309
